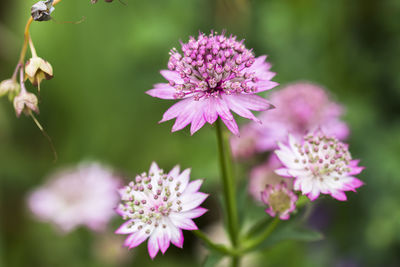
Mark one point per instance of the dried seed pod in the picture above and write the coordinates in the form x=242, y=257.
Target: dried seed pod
x=41, y=10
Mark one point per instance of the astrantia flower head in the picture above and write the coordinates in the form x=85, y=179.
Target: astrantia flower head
x=281, y=201
x=157, y=206
x=300, y=108
x=319, y=164
x=213, y=75
x=263, y=175
x=85, y=195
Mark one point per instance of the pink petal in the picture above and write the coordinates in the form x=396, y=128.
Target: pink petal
x=182, y=222
x=125, y=229
x=238, y=108
x=193, y=186
x=154, y=168
x=163, y=240
x=253, y=102
x=313, y=195
x=266, y=85
x=176, y=109
x=152, y=245
x=197, y=122
x=222, y=109
x=163, y=91
x=183, y=178
x=194, y=213
x=232, y=126
x=137, y=238
x=176, y=234
x=174, y=172
x=171, y=76
x=191, y=201
x=210, y=113
x=339, y=195
x=185, y=117
x=283, y=172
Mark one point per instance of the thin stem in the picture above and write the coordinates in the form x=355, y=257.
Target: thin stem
x=32, y=47
x=27, y=37
x=257, y=227
x=26, y=40
x=53, y=149
x=252, y=243
x=229, y=188
x=218, y=247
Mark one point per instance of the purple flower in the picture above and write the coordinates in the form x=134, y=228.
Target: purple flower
x=84, y=195
x=319, y=164
x=281, y=201
x=157, y=206
x=263, y=175
x=214, y=75
x=300, y=108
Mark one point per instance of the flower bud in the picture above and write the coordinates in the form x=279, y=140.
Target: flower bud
x=41, y=10
x=280, y=200
x=25, y=102
x=37, y=69
x=10, y=87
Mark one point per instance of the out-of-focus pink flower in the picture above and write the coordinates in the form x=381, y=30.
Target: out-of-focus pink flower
x=84, y=195
x=281, y=201
x=158, y=206
x=214, y=75
x=300, y=108
x=263, y=175
x=319, y=164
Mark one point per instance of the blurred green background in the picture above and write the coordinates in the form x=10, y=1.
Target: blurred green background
x=95, y=108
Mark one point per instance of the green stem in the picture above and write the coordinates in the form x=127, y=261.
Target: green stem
x=257, y=227
x=252, y=243
x=218, y=247
x=229, y=188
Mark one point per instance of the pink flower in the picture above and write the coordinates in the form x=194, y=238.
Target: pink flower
x=84, y=195
x=281, y=201
x=300, y=108
x=157, y=206
x=319, y=164
x=215, y=74
x=263, y=175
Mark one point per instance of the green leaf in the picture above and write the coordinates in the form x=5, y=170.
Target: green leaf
x=212, y=259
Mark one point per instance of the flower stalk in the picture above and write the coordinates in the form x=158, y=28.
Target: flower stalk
x=229, y=188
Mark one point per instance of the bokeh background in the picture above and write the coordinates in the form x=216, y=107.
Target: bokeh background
x=95, y=108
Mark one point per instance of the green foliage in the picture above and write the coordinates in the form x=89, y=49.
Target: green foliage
x=95, y=108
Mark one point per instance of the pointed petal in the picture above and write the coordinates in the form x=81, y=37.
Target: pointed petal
x=163, y=240
x=152, y=244
x=182, y=222
x=239, y=109
x=163, y=91
x=174, y=172
x=194, y=213
x=137, y=238
x=193, y=186
x=154, y=168
x=176, y=109
x=198, y=121
x=125, y=228
x=171, y=76
x=191, y=201
x=232, y=126
x=210, y=113
x=253, y=102
x=339, y=195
